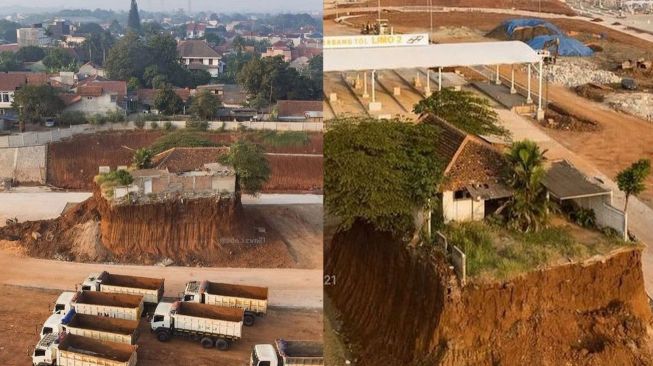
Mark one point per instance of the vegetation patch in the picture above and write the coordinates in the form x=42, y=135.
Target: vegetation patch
x=180, y=139
x=496, y=252
x=284, y=139
x=111, y=180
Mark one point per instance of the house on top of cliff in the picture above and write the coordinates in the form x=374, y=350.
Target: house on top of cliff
x=472, y=187
x=184, y=171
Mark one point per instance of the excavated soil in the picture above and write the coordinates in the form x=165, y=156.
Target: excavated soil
x=203, y=231
x=404, y=307
x=73, y=163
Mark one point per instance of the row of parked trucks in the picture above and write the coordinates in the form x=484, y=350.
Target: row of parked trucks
x=99, y=324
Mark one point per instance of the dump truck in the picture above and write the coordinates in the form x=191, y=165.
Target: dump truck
x=150, y=288
x=214, y=326
x=75, y=350
x=72, y=350
x=120, y=306
x=63, y=303
x=253, y=300
x=102, y=328
x=288, y=353
x=52, y=325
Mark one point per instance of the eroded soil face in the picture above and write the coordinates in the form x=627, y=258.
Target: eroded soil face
x=207, y=231
x=404, y=307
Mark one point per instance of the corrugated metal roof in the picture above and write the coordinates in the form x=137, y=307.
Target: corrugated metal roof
x=566, y=182
x=435, y=55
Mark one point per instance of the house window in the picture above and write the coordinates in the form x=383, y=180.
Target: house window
x=4, y=97
x=210, y=61
x=89, y=98
x=114, y=98
x=461, y=195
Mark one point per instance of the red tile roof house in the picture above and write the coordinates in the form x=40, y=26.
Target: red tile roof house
x=12, y=81
x=97, y=97
x=300, y=111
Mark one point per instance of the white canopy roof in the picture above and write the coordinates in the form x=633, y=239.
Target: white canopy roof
x=436, y=55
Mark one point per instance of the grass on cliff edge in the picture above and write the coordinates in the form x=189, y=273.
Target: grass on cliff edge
x=494, y=252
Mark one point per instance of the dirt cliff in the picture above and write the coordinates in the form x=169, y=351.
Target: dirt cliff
x=203, y=231
x=404, y=307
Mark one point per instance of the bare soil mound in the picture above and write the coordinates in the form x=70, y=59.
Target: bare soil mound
x=203, y=231
x=403, y=307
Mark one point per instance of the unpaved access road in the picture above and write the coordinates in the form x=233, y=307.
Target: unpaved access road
x=23, y=311
x=294, y=288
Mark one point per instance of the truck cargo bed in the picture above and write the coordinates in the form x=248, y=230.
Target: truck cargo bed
x=103, y=328
x=74, y=350
x=226, y=289
x=131, y=281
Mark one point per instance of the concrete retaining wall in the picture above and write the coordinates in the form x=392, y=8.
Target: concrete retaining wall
x=24, y=164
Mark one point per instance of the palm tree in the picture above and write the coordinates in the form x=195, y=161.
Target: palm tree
x=528, y=209
x=143, y=158
x=631, y=180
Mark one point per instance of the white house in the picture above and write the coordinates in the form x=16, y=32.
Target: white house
x=198, y=55
x=97, y=97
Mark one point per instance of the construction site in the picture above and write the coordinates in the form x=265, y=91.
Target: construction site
x=182, y=217
x=583, y=96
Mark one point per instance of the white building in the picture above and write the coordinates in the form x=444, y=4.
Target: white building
x=33, y=36
x=198, y=55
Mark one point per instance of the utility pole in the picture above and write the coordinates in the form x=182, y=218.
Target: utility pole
x=431, y=13
x=379, y=16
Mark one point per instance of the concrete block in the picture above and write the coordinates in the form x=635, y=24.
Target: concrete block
x=375, y=106
x=104, y=169
x=397, y=91
x=333, y=97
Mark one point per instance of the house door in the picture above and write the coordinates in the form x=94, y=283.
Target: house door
x=148, y=186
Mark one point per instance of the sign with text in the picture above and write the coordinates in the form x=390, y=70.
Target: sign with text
x=386, y=40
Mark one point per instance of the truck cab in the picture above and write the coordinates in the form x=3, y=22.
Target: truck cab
x=161, y=318
x=52, y=325
x=64, y=303
x=92, y=282
x=45, y=352
x=264, y=355
x=193, y=292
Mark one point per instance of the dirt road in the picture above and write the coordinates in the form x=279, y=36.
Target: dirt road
x=23, y=311
x=297, y=288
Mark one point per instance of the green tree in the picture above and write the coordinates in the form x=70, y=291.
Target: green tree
x=133, y=84
x=167, y=101
x=30, y=54
x=34, y=103
x=380, y=172
x=128, y=58
x=205, y=105
x=134, y=20
x=632, y=180
x=8, y=30
x=143, y=158
x=528, y=209
x=96, y=47
x=59, y=60
x=251, y=166
x=464, y=110
x=9, y=62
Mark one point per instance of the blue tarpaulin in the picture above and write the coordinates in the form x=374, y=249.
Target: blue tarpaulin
x=568, y=46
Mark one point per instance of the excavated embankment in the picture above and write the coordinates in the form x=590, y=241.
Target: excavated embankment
x=401, y=307
x=201, y=231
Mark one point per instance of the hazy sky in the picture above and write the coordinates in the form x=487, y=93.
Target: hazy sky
x=225, y=6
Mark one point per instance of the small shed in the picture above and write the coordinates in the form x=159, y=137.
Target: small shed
x=565, y=183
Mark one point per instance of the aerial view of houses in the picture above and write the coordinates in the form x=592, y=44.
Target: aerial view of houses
x=170, y=155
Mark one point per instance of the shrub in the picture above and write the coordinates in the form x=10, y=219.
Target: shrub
x=154, y=125
x=98, y=119
x=585, y=217
x=197, y=125
x=115, y=116
x=168, y=126
x=72, y=118
x=111, y=180
x=139, y=123
x=180, y=139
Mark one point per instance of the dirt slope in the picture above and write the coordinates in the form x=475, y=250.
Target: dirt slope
x=190, y=232
x=405, y=309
